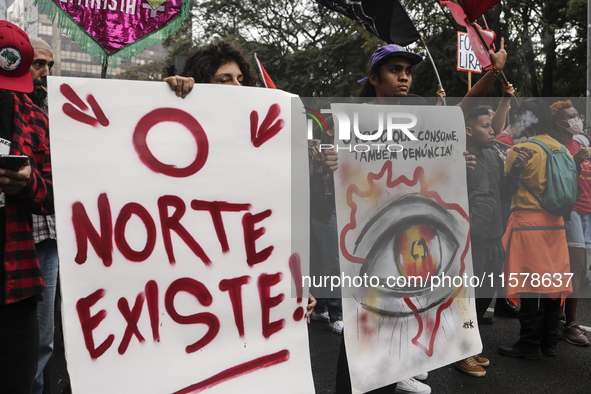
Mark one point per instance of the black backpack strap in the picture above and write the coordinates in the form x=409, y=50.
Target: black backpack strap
x=530, y=192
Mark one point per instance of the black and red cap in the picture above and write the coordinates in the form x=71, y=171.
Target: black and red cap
x=16, y=56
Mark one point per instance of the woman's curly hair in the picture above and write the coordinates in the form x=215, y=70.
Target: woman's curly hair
x=559, y=106
x=206, y=60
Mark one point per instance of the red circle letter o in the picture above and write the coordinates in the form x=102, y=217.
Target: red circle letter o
x=170, y=115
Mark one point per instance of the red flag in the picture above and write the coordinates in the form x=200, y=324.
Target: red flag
x=475, y=8
x=266, y=78
x=477, y=46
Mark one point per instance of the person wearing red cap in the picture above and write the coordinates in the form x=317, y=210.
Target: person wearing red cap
x=24, y=191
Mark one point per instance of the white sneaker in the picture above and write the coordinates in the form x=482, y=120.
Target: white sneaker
x=320, y=316
x=421, y=376
x=412, y=385
x=336, y=326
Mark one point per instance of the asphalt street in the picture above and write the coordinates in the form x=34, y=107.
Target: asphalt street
x=569, y=372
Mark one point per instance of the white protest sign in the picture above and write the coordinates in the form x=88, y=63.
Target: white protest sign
x=176, y=237
x=467, y=60
x=402, y=213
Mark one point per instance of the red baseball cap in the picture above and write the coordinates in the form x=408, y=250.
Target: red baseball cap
x=16, y=56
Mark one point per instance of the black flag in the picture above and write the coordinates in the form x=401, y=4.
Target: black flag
x=386, y=19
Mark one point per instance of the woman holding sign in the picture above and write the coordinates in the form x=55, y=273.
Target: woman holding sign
x=225, y=63
x=219, y=62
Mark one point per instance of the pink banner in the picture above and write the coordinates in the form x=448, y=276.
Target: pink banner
x=114, y=24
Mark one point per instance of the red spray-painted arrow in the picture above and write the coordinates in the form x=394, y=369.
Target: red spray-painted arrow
x=267, y=130
x=77, y=114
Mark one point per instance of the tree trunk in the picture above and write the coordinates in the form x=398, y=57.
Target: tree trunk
x=549, y=42
x=529, y=52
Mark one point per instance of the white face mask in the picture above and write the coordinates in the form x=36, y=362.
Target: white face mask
x=576, y=125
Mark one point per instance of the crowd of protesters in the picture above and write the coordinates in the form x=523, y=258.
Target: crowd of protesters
x=513, y=177
x=518, y=234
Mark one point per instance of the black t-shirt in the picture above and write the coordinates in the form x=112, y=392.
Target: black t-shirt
x=412, y=99
x=409, y=99
x=488, y=176
x=6, y=120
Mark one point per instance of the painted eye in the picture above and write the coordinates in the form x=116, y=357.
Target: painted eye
x=421, y=250
x=406, y=244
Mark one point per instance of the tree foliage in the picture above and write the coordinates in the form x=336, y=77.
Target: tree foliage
x=180, y=44
x=306, y=48
x=312, y=51
x=544, y=37
x=545, y=40
x=145, y=72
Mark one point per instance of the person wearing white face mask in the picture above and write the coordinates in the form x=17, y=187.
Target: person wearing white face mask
x=568, y=124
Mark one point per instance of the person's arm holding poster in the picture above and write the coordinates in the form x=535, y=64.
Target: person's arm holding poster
x=330, y=160
x=470, y=161
x=310, y=307
x=481, y=88
x=440, y=95
x=182, y=86
x=219, y=62
x=500, y=116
